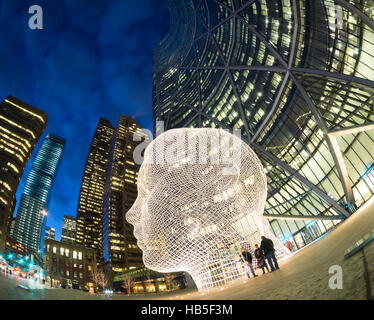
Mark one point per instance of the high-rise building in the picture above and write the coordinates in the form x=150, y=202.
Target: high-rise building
x=11, y=226
x=119, y=244
x=50, y=233
x=297, y=78
x=91, y=198
x=69, y=226
x=36, y=194
x=21, y=126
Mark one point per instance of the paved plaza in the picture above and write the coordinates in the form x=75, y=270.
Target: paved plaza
x=306, y=274
x=303, y=276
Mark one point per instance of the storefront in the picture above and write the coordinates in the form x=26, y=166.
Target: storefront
x=148, y=281
x=290, y=243
x=54, y=283
x=138, y=287
x=306, y=235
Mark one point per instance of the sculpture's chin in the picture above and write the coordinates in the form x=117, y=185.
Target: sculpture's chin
x=154, y=261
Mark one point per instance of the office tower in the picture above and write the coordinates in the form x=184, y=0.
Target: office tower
x=36, y=194
x=297, y=78
x=11, y=226
x=49, y=233
x=21, y=126
x=119, y=244
x=69, y=226
x=91, y=198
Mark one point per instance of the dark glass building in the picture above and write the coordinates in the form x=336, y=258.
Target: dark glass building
x=49, y=233
x=297, y=78
x=35, y=197
x=91, y=198
x=21, y=126
x=69, y=226
x=119, y=244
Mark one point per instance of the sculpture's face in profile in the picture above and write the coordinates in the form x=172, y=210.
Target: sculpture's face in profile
x=186, y=208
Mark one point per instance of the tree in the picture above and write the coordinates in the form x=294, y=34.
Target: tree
x=127, y=284
x=99, y=278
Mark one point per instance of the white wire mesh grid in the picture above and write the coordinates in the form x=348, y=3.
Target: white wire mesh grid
x=191, y=217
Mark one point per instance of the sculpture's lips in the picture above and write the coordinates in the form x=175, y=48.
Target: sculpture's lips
x=141, y=245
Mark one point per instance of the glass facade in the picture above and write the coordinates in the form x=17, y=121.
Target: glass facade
x=119, y=244
x=69, y=226
x=21, y=126
x=297, y=78
x=31, y=212
x=91, y=197
x=49, y=233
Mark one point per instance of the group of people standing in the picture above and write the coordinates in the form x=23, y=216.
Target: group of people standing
x=264, y=252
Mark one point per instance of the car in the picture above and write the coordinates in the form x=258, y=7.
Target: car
x=76, y=286
x=16, y=271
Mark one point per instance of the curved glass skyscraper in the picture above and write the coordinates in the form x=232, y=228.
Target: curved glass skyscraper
x=36, y=194
x=297, y=78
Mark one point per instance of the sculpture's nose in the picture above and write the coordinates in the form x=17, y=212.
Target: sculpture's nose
x=132, y=215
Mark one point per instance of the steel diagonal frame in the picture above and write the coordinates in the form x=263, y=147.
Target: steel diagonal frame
x=288, y=66
x=301, y=178
x=290, y=217
x=227, y=71
x=332, y=145
x=323, y=196
x=356, y=12
x=286, y=78
x=290, y=71
x=238, y=100
x=343, y=175
x=335, y=75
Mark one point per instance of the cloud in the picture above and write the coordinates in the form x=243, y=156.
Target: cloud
x=92, y=59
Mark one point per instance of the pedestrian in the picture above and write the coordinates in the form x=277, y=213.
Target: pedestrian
x=248, y=259
x=261, y=262
x=268, y=247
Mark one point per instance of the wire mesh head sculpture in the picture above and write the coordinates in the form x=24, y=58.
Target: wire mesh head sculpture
x=201, y=196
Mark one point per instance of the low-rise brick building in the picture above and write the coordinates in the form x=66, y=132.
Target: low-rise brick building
x=69, y=264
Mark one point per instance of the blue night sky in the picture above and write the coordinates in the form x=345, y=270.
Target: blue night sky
x=92, y=59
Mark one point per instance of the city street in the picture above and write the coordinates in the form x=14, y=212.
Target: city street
x=16, y=288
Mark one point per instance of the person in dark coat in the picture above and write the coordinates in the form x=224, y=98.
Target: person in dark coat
x=268, y=247
x=261, y=262
x=248, y=259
